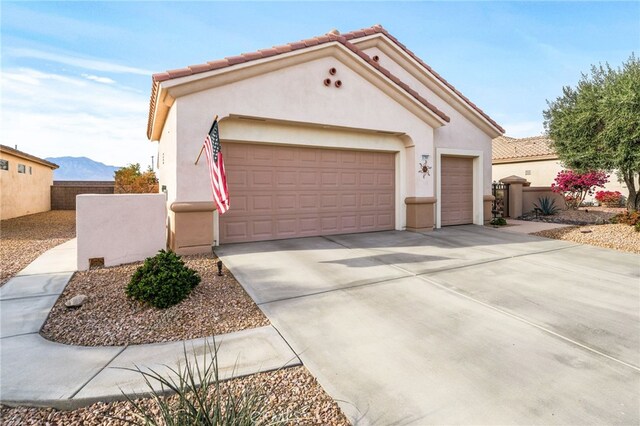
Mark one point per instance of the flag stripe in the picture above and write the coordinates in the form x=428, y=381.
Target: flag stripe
x=217, y=174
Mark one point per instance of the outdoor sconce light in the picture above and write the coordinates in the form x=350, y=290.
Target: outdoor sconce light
x=424, y=168
x=219, y=268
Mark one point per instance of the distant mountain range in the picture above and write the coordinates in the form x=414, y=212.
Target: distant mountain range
x=81, y=168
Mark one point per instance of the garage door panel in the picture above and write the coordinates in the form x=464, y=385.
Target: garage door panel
x=285, y=192
x=456, y=191
x=308, y=178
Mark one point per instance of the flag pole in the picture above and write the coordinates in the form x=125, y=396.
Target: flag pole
x=202, y=149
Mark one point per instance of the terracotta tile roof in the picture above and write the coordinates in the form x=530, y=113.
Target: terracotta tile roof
x=536, y=147
x=327, y=38
x=17, y=153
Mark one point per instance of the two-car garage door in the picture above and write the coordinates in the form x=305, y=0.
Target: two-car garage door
x=286, y=192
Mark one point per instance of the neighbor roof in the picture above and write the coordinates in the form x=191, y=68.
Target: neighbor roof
x=511, y=150
x=303, y=44
x=13, y=151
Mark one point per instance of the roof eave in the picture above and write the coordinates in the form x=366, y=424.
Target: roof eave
x=165, y=92
x=430, y=78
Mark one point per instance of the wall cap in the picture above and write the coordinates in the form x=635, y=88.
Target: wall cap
x=420, y=200
x=488, y=198
x=514, y=179
x=192, y=206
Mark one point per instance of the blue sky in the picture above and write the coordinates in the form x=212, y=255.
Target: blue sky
x=76, y=76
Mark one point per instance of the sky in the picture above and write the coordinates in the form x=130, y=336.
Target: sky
x=76, y=76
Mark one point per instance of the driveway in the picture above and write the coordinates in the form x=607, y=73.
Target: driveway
x=463, y=325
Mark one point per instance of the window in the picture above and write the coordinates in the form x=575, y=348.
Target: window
x=4, y=165
x=527, y=172
x=22, y=168
x=30, y=170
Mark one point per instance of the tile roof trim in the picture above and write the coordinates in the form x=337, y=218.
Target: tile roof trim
x=379, y=29
x=265, y=53
x=24, y=155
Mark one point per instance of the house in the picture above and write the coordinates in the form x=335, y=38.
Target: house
x=340, y=133
x=534, y=159
x=25, y=183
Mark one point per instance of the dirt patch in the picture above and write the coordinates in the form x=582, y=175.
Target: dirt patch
x=293, y=390
x=217, y=305
x=23, y=239
x=614, y=236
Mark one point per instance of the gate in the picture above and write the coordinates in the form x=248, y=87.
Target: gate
x=501, y=202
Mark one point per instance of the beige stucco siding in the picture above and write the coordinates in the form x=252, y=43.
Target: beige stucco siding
x=351, y=116
x=24, y=193
x=460, y=133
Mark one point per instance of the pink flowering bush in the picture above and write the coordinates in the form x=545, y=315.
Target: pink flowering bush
x=609, y=198
x=576, y=186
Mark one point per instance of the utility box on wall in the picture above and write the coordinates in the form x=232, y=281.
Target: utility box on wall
x=120, y=228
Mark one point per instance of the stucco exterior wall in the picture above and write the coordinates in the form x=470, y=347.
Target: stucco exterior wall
x=24, y=193
x=167, y=149
x=460, y=133
x=120, y=228
x=351, y=116
x=542, y=173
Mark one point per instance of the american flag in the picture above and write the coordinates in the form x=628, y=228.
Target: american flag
x=216, y=169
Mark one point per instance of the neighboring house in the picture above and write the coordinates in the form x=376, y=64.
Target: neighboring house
x=25, y=183
x=335, y=134
x=535, y=160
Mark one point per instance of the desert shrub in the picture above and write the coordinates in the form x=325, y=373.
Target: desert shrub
x=547, y=206
x=609, y=198
x=576, y=186
x=498, y=221
x=163, y=280
x=627, y=218
x=201, y=399
x=131, y=180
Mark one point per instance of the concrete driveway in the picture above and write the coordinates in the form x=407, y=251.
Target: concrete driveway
x=463, y=325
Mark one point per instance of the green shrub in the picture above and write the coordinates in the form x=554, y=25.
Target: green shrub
x=547, y=206
x=498, y=221
x=637, y=227
x=163, y=280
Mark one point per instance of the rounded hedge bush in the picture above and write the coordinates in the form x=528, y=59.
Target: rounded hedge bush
x=163, y=281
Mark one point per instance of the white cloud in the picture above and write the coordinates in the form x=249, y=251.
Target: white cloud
x=51, y=115
x=98, y=79
x=523, y=129
x=86, y=63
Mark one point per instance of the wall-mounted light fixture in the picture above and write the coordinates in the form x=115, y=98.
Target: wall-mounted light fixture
x=424, y=166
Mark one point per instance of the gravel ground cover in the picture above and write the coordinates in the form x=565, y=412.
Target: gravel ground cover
x=594, y=228
x=582, y=216
x=292, y=391
x=217, y=305
x=614, y=236
x=23, y=239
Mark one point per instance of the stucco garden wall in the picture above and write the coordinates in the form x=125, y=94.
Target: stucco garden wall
x=120, y=228
x=542, y=173
x=24, y=193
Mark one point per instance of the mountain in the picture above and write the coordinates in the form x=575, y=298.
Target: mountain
x=81, y=168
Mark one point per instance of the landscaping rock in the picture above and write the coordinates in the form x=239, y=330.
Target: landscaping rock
x=75, y=301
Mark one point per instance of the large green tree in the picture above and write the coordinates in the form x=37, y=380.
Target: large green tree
x=596, y=125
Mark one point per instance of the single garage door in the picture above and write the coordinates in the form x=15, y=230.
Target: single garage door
x=281, y=192
x=456, y=191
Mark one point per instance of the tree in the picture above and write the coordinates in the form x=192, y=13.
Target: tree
x=576, y=186
x=130, y=180
x=596, y=126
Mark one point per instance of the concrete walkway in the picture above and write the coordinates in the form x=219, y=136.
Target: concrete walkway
x=463, y=325
x=35, y=371
x=529, y=227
